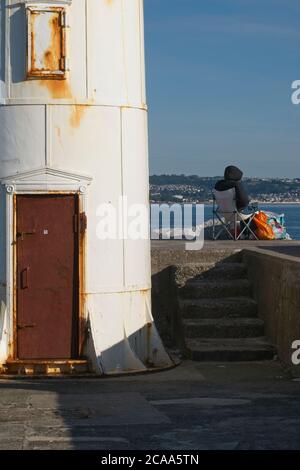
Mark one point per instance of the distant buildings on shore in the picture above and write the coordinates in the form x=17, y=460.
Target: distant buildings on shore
x=182, y=188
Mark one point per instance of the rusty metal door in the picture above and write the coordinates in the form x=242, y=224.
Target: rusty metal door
x=47, y=277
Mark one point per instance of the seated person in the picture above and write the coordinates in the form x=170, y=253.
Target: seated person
x=232, y=179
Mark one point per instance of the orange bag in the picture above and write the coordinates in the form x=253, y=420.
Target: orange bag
x=263, y=231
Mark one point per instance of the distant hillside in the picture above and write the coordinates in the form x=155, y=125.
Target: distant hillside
x=196, y=188
x=182, y=179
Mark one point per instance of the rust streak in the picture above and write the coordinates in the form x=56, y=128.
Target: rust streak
x=58, y=131
x=83, y=332
x=33, y=56
x=13, y=344
x=58, y=88
x=77, y=114
x=33, y=17
x=53, y=54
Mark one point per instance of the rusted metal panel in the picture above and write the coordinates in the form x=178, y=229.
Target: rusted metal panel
x=46, y=41
x=47, y=277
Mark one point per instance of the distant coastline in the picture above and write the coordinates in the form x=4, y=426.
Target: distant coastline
x=196, y=189
x=210, y=202
x=269, y=203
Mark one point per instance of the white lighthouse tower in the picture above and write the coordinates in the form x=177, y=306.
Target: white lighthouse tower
x=73, y=154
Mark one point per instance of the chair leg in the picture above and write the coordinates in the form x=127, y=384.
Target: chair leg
x=235, y=227
x=224, y=227
x=247, y=227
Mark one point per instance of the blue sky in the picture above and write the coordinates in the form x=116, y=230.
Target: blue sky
x=219, y=75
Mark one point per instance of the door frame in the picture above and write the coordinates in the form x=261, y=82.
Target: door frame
x=44, y=181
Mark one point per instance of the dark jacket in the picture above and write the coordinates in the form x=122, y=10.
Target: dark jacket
x=232, y=179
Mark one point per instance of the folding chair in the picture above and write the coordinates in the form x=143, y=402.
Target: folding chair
x=225, y=210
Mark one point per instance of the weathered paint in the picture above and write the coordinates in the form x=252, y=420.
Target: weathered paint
x=42, y=367
x=48, y=276
x=14, y=338
x=47, y=37
x=53, y=55
x=83, y=324
x=57, y=89
x=85, y=132
x=77, y=115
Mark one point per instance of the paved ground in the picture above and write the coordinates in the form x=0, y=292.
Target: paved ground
x=195, y=406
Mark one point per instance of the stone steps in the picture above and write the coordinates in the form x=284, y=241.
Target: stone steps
x=213, y=271
x=219, y=317
x=223, y=328
x=203, y=289
x=232, y=349
x=231, y=307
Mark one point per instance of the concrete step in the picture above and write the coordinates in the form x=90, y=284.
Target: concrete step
x=248, y=349
x=223, y=328
x=213, y=271
x=50, y=368
x=236, y=307
x=203, y=289
x=167, y=253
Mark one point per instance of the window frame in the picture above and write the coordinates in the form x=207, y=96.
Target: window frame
x=38, y=73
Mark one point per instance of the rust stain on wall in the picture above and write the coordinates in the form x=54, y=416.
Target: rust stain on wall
x=77, y=114
x=58, y=132
x=58, y=89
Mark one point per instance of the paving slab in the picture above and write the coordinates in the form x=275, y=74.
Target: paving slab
x=103, y=409
x=196, y=406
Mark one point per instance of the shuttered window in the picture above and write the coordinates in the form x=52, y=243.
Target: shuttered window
x=46, y=41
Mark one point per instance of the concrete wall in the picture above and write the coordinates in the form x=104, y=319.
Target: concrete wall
x=276, y=287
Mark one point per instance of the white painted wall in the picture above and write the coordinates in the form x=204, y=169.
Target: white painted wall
x=95, y=124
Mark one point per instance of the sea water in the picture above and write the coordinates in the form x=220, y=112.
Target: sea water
x=291, y=212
